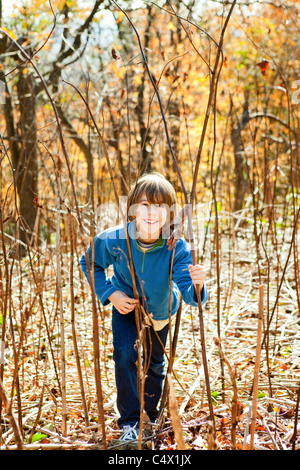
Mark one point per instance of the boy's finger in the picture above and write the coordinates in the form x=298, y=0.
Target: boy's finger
x=132, y=301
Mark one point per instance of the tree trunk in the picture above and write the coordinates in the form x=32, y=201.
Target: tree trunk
x=240, y=166
x=146, y=153
x=173, y=106
x=23, y=148
x=27, y=166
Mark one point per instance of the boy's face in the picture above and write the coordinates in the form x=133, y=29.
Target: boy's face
x=150, y=219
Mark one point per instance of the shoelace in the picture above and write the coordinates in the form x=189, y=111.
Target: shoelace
x=129, y=433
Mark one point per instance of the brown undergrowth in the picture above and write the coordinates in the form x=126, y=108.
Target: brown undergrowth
x=33, y=349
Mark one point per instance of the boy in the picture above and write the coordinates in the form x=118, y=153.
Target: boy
x=150, y=211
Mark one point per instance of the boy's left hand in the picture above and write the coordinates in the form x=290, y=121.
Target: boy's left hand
x=198, y=274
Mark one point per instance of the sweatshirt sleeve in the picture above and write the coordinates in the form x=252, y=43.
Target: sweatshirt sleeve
x=103, y=258
x=181, y=275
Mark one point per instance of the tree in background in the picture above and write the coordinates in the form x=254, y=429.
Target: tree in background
x=23, y=88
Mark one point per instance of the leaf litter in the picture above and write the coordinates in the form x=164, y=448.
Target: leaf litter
x=37, y=404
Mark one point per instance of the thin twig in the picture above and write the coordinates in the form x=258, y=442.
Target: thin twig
x=14, y=425
x=257, y=365
x=175, y=416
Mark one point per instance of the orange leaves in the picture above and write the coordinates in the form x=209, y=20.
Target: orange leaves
x=120, y=17
x=260, y=428
x=263, y=65
x=239, y=446
x=240, y=408
x=75, y=416
x=119, y=71
x=137, y=80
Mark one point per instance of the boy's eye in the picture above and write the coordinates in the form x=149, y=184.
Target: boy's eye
x=154, y=205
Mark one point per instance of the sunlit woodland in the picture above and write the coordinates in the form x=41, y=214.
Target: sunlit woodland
x=93, y=94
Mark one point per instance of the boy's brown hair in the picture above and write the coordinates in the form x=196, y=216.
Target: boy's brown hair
x=157, y=189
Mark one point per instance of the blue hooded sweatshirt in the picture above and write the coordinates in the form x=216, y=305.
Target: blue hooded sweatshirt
x=152, y=270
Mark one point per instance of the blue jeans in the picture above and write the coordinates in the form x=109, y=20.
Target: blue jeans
x=125, y=356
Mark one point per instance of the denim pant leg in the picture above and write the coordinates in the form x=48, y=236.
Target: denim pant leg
x=125, y=357
x=155, y=373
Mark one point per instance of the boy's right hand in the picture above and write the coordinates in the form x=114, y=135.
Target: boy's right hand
x=122, y=302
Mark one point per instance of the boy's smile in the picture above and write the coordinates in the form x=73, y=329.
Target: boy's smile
x=150, y=221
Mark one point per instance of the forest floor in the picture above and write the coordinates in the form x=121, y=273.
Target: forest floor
x=278, y=381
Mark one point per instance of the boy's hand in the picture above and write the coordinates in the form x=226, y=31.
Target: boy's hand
x=197, y=274
x=122, y=302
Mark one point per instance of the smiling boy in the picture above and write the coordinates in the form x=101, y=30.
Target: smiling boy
x=150, y=210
